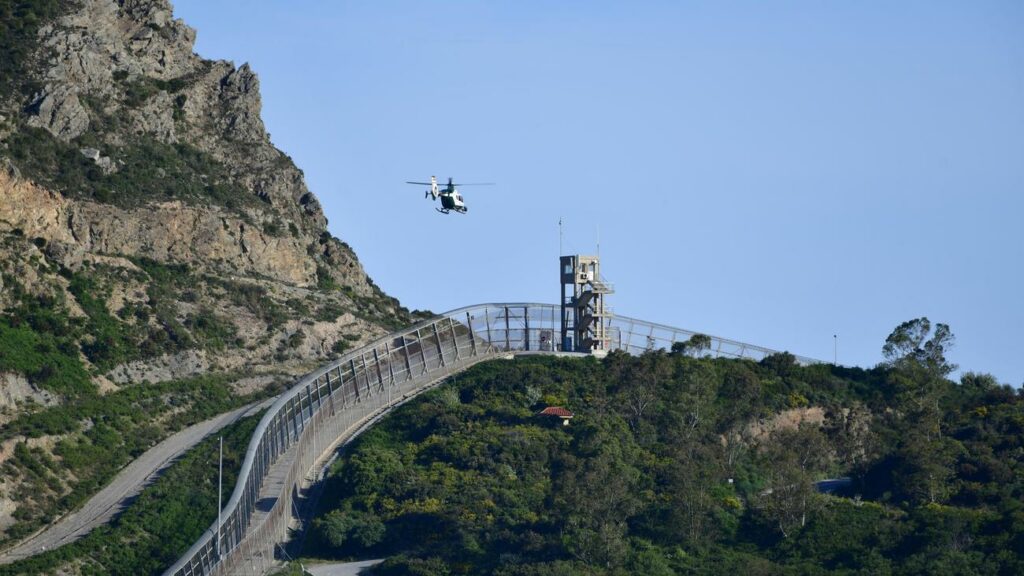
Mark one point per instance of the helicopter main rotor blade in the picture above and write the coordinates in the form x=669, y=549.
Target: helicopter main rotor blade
x=474, y=184
x=422, y=183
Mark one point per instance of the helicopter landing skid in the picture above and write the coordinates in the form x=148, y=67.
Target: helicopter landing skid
x=449, y=211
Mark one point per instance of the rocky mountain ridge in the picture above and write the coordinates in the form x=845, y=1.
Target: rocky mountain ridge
x=149, y=232
x=113, y=77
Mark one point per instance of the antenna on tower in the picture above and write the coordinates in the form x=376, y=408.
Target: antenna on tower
x=559, y=235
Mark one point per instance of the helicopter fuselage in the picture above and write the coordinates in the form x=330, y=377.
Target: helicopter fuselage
x=452, y=201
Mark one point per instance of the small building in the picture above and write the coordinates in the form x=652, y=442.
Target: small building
x=559, y=412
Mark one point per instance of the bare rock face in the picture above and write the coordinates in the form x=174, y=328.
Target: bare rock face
x=156, y=117
x=115, y=71
x=94, y=42
x=166, y=367
x=113, y=53
x=118, y=77
x=240, y=101
x=58, y=110
x=168, y=232
x=15, y=390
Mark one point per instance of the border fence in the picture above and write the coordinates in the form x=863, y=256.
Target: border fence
x=329, y=404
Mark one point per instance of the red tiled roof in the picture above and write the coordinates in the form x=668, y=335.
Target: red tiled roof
x=555, y=411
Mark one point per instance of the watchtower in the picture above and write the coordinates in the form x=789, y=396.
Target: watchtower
x=585, y=318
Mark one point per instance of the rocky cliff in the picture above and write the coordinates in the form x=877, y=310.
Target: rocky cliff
x=149, y=230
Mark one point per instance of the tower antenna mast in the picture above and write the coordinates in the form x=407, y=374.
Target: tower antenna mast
x=559, y=235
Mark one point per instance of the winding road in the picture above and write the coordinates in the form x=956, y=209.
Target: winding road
x=128, y=483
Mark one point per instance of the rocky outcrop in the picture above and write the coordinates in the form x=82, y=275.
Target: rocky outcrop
x=132, y=60
x=113, y=71
x=116, y=77
x=16, y=390
x=167, y=232
x=150, y=231
x=58, y=110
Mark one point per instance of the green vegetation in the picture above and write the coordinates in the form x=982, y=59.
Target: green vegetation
x=162, y=523
x=253, y=298
x=109, y=339
x=679, y=464
x=324, y=280
x=48, y=360
x=329, y=312
x=148, y=170
x=39, y=338
x=96, y=434
x=211, y=330
x=19, y=22
x=379, y=308
x=139, y=89
x=101, y=434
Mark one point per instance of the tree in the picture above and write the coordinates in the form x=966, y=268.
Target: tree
x=924, y=459
x=693, y=477
x=692, y=347
x=790, y=461
x=975, y=382
x=854, y=441
x=693, y=406
x=741, y=390
x=909, y=343
x=918, y=378
x=642, y=383
x=924, y=470
x=341, y=529
x=598, y=498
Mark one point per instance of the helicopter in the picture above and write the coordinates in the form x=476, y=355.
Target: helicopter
x=450, y=197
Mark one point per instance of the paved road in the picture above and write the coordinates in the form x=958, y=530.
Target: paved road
x=116, y=495
x=341, y=568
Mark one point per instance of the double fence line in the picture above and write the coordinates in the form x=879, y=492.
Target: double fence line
x=329, y=404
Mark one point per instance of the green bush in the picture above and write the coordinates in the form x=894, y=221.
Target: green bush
x=211, y=330
x=109, y=340
x=49, y=361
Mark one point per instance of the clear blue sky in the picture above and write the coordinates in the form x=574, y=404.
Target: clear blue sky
x=770, y=172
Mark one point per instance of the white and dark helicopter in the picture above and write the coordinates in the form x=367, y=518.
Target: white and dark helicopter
x=449, y=195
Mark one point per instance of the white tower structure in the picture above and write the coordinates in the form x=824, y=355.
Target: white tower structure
x=585, y=318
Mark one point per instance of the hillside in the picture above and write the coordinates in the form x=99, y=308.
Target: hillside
x=160, y=259
x=675, y=464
